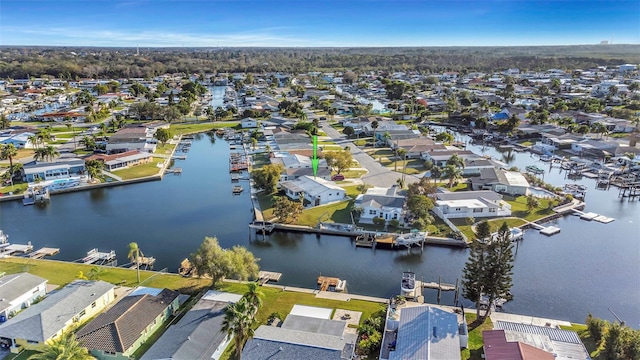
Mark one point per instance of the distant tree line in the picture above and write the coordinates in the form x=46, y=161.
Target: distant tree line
x=73, y=63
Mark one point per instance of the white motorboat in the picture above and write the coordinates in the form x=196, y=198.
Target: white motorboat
x=408, y=284
x=414, y=237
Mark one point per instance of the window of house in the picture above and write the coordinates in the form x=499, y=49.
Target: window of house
x=93, y=304
x=477, y=210
x=82, y=313
x=457, y=209
x=35, y=291
x=32, y=342
x=372, y=212
x=492, y=209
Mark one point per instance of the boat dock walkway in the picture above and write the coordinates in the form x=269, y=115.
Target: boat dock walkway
x=440, y=286
x=593, y=216
x=97, y=257
x=266, y=276
x=11, y=249
x=143, y=261
x=45, y=251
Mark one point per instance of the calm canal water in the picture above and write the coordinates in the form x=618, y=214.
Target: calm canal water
x=588, y=267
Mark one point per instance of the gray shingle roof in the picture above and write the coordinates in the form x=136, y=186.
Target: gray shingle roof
x=259, y=349
x=195, y=336
x=44, y=319
x=121, y=326
x=381, y=200
x=15, y=285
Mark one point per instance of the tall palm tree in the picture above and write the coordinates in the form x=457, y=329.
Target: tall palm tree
x=134, y=255
x=374, y=126
x=238, y=322
x=65, y=347
x=456, y=161
x=436, y=174
x=452, y=173
x=532, y=202
x=8, y=151
x=51, y=152
x=254, y=295
x=40, y=154
x=94, y=168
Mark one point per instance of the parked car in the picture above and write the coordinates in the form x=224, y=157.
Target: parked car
x=337, y=177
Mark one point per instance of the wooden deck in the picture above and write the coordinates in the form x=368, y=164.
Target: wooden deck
x=45, y=251
x=435, y=285
x=324, y=282
x=143, y=261
x=266, y=276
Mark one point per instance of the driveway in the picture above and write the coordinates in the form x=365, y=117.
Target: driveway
x=378, y=175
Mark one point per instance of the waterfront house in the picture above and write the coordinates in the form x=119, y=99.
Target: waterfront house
x=594, y=148
x=497, y=347
x=439, y=157
x=415, y=146
x=19, y=291
x=306, y=333
x=121, y=330
x=563, y=344
x=462, y=204
x=384, y=203
x=316, y=191
x=122, y=160
x=294, y=140
x=423, y=332
x=501, y=181
x=198, y=334
x=131, y=138
x=57, y=313
x=61, y=169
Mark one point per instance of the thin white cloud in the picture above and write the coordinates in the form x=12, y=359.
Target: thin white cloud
x=80, y=36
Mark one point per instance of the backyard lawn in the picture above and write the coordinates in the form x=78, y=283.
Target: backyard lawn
x=337, y=212
x=140, y=171
x=474, y=350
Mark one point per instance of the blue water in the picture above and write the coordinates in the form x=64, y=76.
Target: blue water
x=587, y=267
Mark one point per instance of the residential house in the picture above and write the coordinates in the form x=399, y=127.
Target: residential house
x=384, y=203
x=439, y=157
x=131, y=138
x=501, y=181
x=563, y=142
x=383, y=126
x=295, y=140
x=563, y=344
x=19, y=140
x=19, y=291
x=303, y=335
x=316, y=191
x=119, y=332
x=153, y=126
x=497, y=347
x=415, y=147
x=423, y=332
x=482, y=203
x=296, y=166
x=594, y=148
x=63, y=168
x=122, y=160
x=249, y=123
x=473, y=166
x=57, y=313
x=198, y=334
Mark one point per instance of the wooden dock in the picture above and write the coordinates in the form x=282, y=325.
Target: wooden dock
x=266, y=276
x=99, y=258
x=437, y=286
x=11, y=249
x=174, y=171
x=325, y=282
x=45, y=251
x=365, y=240
x=144, y=262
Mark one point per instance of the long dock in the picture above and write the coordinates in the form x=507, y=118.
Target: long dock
x=45, y=251
x=266, y=276
x=441, y=286
x=17, y=248
x=593, y=216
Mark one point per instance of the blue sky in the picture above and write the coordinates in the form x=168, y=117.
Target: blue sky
x=313, y=23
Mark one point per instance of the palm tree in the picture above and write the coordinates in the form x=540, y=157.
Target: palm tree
x=8, y=151
x=33, y=139
x=238, y=322
x=69, y=125
x=65, y=347
x=51, y=152
x=532, y=202
x=374, y=126
x=436, y=174
x=94, y=168
x=254, y=295
x=134, y=255
x=456, y=161
x=40, y=154
x=89, y=142
x=452, y=173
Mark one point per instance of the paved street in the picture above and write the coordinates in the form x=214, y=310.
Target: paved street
x=378, y=175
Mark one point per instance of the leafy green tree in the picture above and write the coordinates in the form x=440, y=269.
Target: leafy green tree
x=444, y=137
x=287, y=210
x=499, y=266
x=162, y=135
x=239, y=322
x=349, y=131
x=374, y=125
x=532, y=202
x=8, y=152
x=339, y=160
x=456, y=161
x=396, y=89
x=65, y=347
x=420, y=205
x=267, y=177
x=4, y=122
x=211, y=260
x=94, y=168
x=89, y=142
x=597, y=327
x=253, y=295
x=452, y=173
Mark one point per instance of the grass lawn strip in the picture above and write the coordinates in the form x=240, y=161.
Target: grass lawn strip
x=337, y=212
x=139, y=171
x=474, y=350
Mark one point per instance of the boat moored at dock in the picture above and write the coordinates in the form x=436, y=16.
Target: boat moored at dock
x=408, y=284
x=262, y=226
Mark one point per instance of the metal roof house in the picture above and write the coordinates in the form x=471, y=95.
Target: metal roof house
x=62, y=309
x=423, y=332
x=62, y=169
x=482, y=203
x=19, y=291
x=315, y=190
x=128, y=324
x=381, y=202
x=496, y=347
x=198, y=334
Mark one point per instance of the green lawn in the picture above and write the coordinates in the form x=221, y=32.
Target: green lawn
x=519, y=208
x=66, y=135
x=259, y=160
x=23, y=355
x=493, y=223
x=266, y=203
x=356, y=174
x=16, y=188
x=586, y=339
x=178, y=129
x=165, y=149
x=338, y=212
x=140, y=170
x=474, y=351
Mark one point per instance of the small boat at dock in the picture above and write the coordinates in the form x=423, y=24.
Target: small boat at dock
x=408, y=284
x=237, y=189
x=534, y=169
x=36, y=194
x=414, y=237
